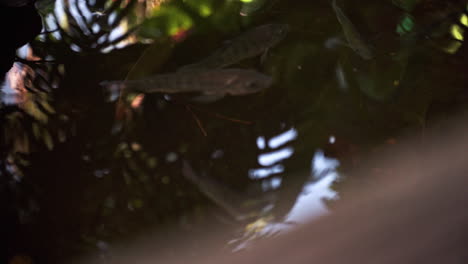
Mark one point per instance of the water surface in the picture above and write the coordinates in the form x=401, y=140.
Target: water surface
x=83, y=167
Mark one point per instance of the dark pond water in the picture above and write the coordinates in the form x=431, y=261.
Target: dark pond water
x=83, y=166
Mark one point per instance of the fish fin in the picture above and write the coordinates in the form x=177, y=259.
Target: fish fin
x=264, y=56
x=334, y=42
x=207, y=98
x=229, y=81
x=341, y=77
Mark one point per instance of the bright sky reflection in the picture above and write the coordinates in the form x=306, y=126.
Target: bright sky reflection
x=271, y=158
x=309, y=204
x=271, y=184
x=321, y=165
x=282, y=138
x=83, y=17
x=77, y=14
x=265, y=172
x=261, y=142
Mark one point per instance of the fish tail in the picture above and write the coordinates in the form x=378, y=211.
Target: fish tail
x=334, y=5
x=188, y=67
x=113, y=86
x=116, y=89
x=124, y=86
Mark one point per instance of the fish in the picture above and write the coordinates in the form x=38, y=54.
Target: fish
x=208, y=82
x=353, y=37
x=250, y=44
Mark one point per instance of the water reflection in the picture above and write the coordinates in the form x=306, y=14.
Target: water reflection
x=309, y=204
x=265, y=172
x=249, y=156
x=87, y=26
x=272, y=159
x=283, y=138
x=27, y=91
